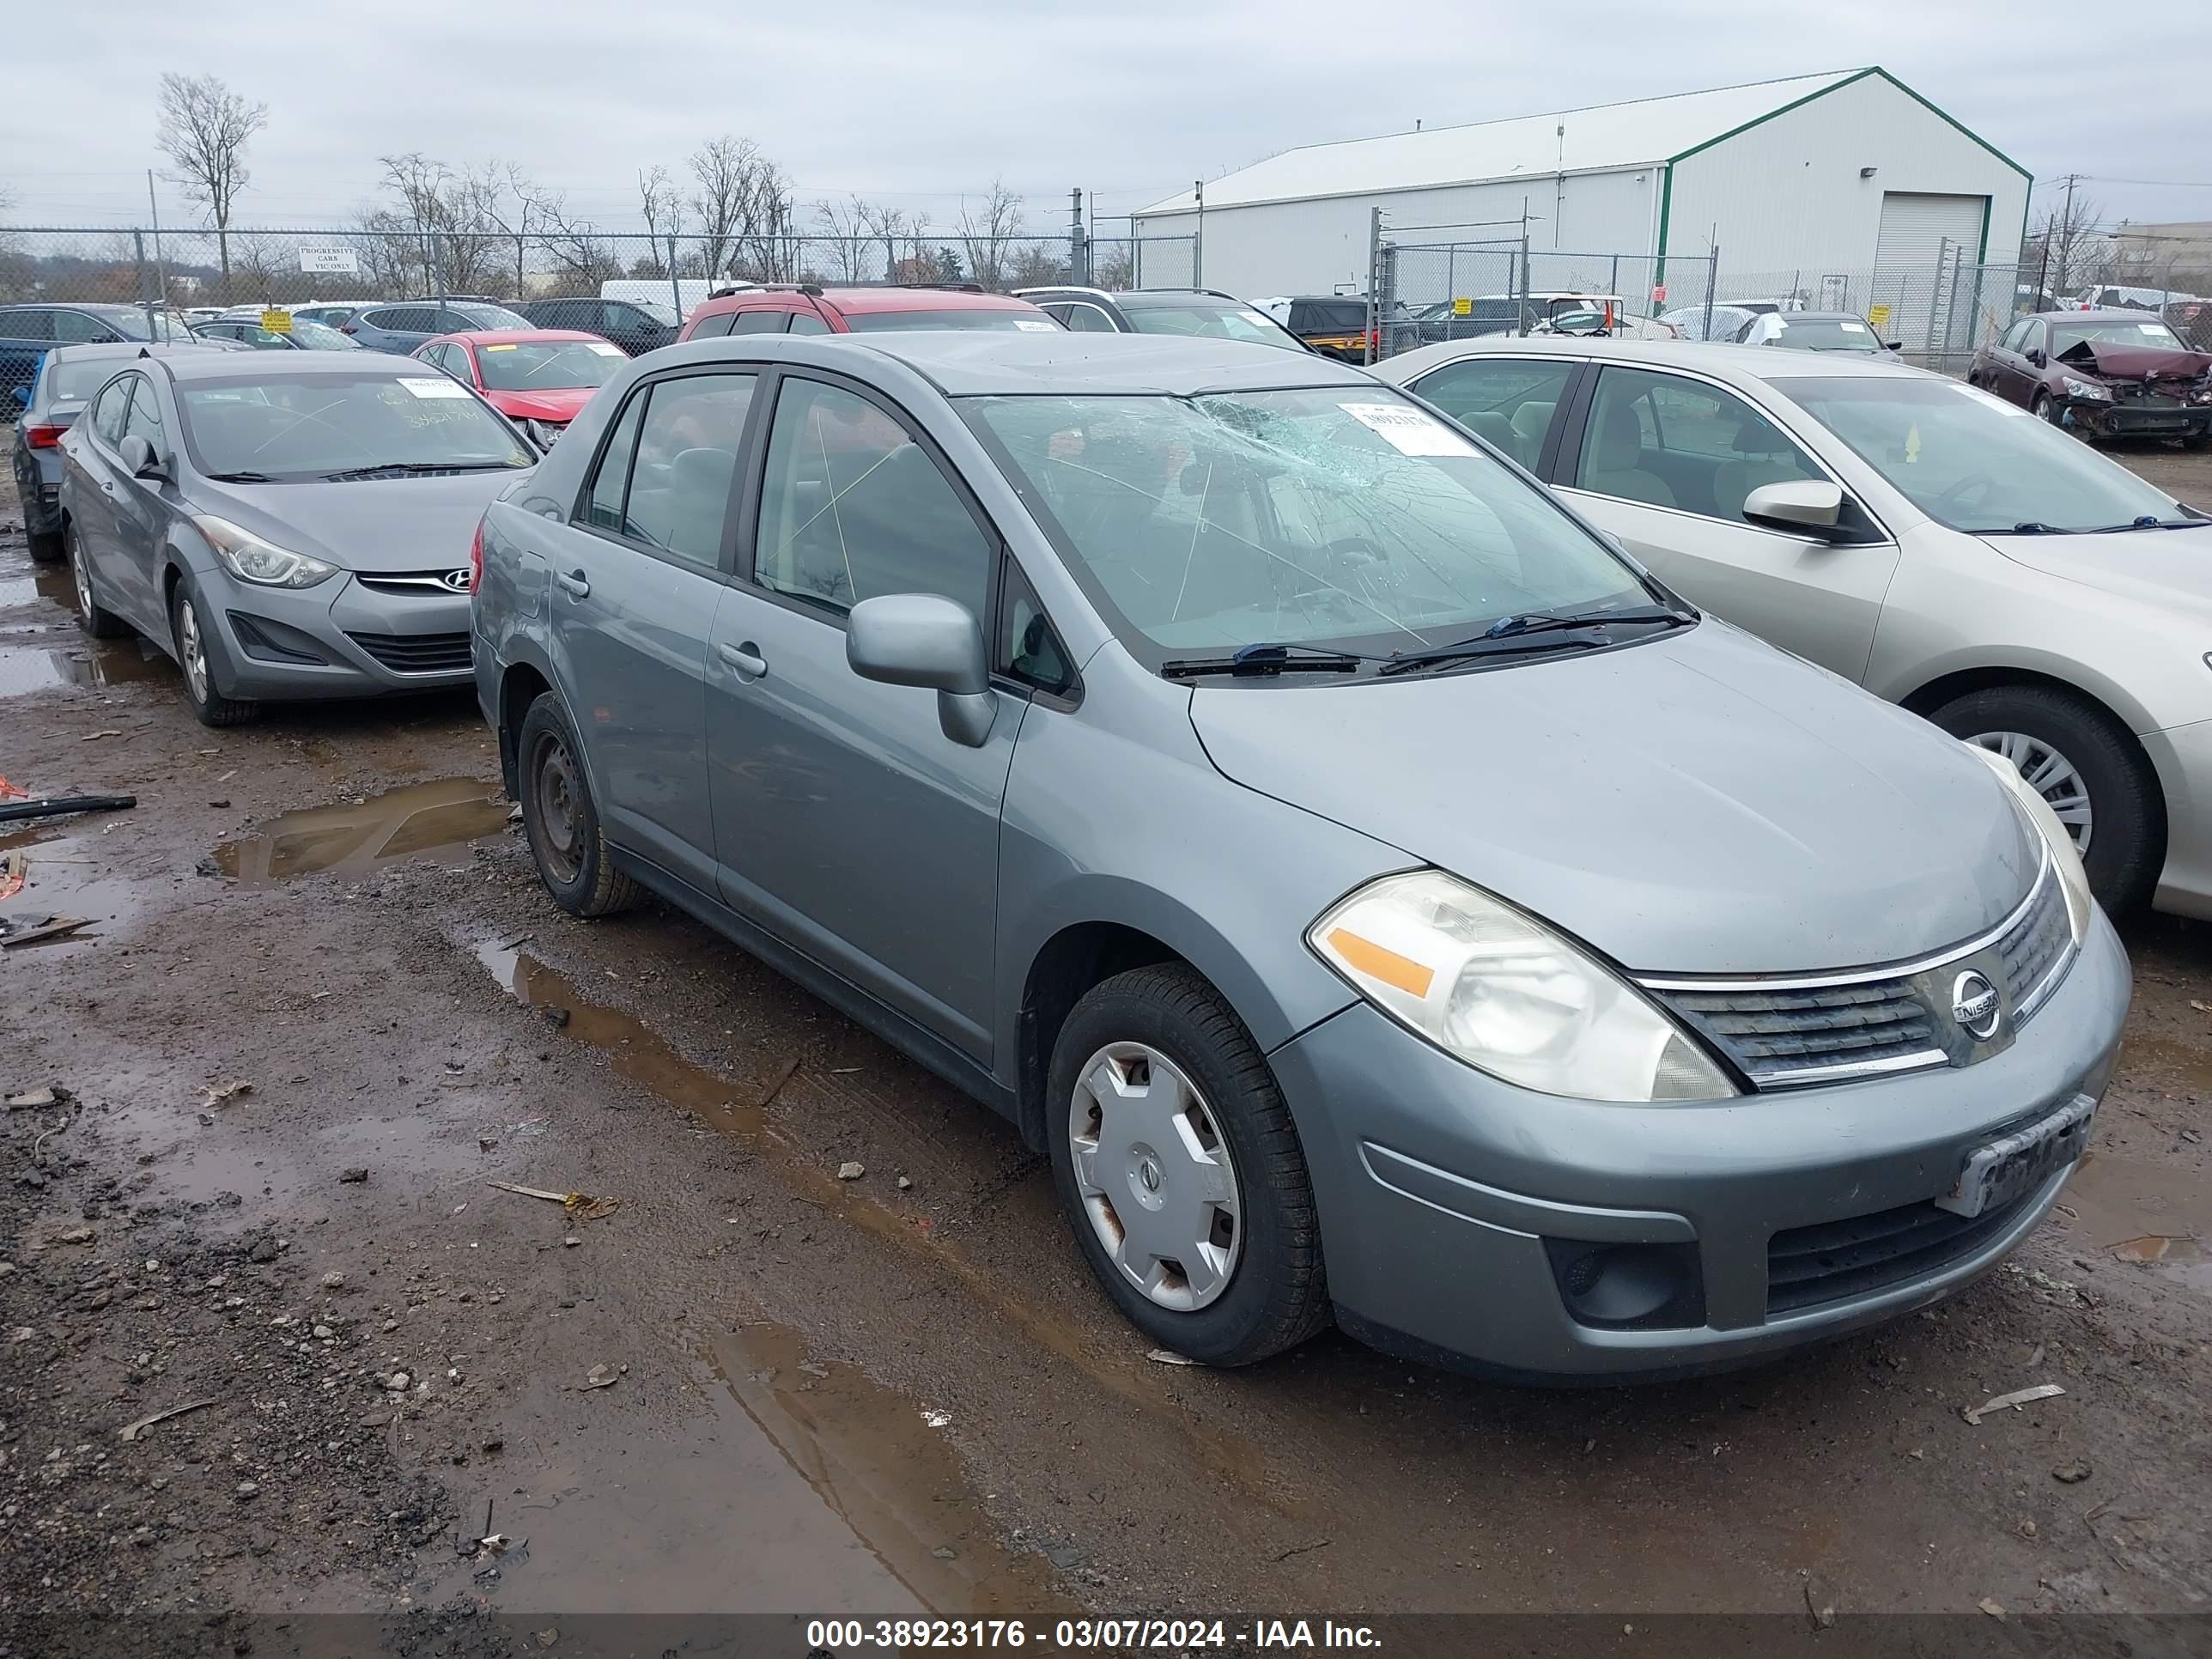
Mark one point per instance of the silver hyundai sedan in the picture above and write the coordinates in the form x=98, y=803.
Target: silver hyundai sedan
x=1383, y=901
x=1936, y=546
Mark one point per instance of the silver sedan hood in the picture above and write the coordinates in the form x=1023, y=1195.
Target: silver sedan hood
x=1700, y=803
x=2169, y=568
x=370, y=524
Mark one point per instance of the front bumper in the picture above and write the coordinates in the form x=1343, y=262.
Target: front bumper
x=1439, y=1188
x=2127, y=418
x=336, y=640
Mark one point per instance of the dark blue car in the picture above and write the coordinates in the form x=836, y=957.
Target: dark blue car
x=28, y=332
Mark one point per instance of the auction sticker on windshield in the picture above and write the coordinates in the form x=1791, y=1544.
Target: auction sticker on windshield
x=604, y=351
x=1408, y=431
x=1035, y=326
x=436, y=388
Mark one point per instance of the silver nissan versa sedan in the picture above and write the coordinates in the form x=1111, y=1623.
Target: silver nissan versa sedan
x=1381, y=899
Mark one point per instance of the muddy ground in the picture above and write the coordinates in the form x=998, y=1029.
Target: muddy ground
x=324, y=1006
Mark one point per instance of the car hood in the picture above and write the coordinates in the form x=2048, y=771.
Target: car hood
x=2169, y=568
x=371, y=524
x=1702, y=804
x=2126, y=362
x=560, y=403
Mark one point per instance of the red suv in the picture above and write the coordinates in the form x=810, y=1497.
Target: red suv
x=809, y=308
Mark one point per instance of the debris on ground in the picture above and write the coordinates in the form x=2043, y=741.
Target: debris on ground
x=602, y=1376
x=529, y=1192
x=783, y=1075
x=851, y=1171
x=585, y=1207
x=2015, y=1399
x=95, y=737
x=572, y=1241
x=12, y=935
x=936, y=1419
x=15, y=866
x=132, y=1430
x=905, y=1183
x=1170, y=1356
x=215, y=1094
x=353, y=1178
x=2071, y=1475
x=1994, y=1609
x=53, y=806
x=35, y=1100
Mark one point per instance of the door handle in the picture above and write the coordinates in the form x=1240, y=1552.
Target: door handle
x=746, y=658
x=575, y=585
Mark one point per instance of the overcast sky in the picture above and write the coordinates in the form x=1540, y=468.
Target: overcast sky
x=914, y=103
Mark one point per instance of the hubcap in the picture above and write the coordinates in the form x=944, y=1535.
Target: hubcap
x=2053, y=777
x=78, y=573
x=559, y=799
x=1155, y=1175
x=188, y=647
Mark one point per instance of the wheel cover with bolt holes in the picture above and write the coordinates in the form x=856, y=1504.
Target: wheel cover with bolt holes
x=1155, y=1177
x=559, y=794
x=190, y=648
x=2053, y=777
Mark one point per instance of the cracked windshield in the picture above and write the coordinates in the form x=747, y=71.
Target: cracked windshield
x=1342, y=519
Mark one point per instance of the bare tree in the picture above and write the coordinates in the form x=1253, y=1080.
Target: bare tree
x=765, y=243
x=987, y=230
x=663, y=211
x=262, y=267
x=738, y=188
x=2065, y=241
x=203, y=130
x=582, y=257
x=848, y=227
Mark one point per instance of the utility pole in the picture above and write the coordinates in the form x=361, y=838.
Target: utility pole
x=1078, y=265
x=1198, y=236
x=2065, y=228
x=161, y=270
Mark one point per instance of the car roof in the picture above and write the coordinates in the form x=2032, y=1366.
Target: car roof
x=976, y=362
x=1786, y=318
x=512, y=336
x=2108, y=315
x=864, y=300
x=293, y=365
x=79, y=353
x=1722, y=361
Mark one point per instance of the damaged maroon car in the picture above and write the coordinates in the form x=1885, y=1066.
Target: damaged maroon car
x=2102, y=375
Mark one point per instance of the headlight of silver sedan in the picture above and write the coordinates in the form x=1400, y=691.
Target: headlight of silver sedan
x=250, y=559
x=1501, y=991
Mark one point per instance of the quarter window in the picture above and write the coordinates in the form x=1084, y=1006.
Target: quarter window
x=806, y=322
x=1507, y=402
x=853, y=508
x=760, y=322
x=604, y=506
x=686, y=458
x=1671, y=442
x=1029, y=650
x=144, y=420
x=108, y=412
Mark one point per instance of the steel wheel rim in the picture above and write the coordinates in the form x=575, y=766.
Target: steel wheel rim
x=190, y=648
x=558, y=794
x=80, y=575
x=1155, y=1177
x=2052, y=776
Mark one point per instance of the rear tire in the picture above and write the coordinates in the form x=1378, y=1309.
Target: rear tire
x=95, y=619
x=2064, y=733
x=561, y=818
x=46, y=546
x=202, y=690
x=1258, y=1236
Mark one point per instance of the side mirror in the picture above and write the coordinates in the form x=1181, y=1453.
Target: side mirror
x=1892, y=345
x=921, y=639
x=1813, y=505
x=2035, y=355
x=22, y=395
x=138, y=455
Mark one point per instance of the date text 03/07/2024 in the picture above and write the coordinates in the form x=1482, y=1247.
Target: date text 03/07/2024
x=1109, y=1635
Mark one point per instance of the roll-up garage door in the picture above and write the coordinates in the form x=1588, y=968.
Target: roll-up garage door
x=1916, y=257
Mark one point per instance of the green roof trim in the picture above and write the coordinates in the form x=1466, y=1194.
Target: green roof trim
x=1849, y=80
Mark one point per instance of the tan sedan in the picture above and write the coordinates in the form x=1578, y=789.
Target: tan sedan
x=1944, y=549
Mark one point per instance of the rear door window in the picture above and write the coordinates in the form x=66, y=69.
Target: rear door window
x=79, y=328
x=714, y=325
x=30, y=324
x=806, y=322
x=1508, y=402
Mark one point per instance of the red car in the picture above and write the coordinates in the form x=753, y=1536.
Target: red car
x=810, y=309
x=540, y=379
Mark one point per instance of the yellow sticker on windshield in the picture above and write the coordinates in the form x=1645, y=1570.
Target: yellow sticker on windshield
x=1912, y=444
x=495, y=348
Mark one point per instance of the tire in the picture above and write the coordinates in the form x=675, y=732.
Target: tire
x=2047, y=410
x=2127, y=811
x=561, y=818
x=95, y=619
x=46, y=546
x=1271, y=1293
x=197, y=668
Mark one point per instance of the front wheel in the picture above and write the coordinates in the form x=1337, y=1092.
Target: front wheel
x=2092, y=774
x=561, y=818
x=1177, y=1161
x=188, y=628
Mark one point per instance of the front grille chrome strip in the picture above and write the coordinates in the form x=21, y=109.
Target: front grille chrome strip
x=1925, y=1059
x=1864, y=976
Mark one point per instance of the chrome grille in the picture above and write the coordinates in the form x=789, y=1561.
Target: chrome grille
x=417, y=583
x=1789, y=1030
x=417, y=653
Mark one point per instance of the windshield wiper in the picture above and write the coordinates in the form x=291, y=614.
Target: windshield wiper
x=414, y=466
x=240, y=477
x=1253, y=660
x=2149, y=522
x=1508, y=635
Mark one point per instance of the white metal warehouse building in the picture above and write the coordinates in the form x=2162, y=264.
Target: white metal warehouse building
x=1848, y=171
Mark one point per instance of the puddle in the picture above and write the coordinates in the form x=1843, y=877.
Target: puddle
x=735, y=1105
x=435, y=822
x=2152, y=1213
x=886, y=1471
x=67, y=660
x=19, y=590
x=71, y=876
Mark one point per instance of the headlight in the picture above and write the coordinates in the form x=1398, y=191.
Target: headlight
x=544, y=432
x=250, y=559
x=2085, y=389
x=2044, y=822
x=1490, y=986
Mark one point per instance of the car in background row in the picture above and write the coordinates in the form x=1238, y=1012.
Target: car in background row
x=1725, y=320
x=538, y=379
x=49, y=407
x=401, y=328
x=2101, y=374
x=1338, y=325
x=28, y=332
x=1814, y=330
x=285, y=525
x=637, y=326
x=907, y=663
x=333, y=313
x=1185, y=311
x=1909, y=533
x=302, y=336
x=812, y=308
